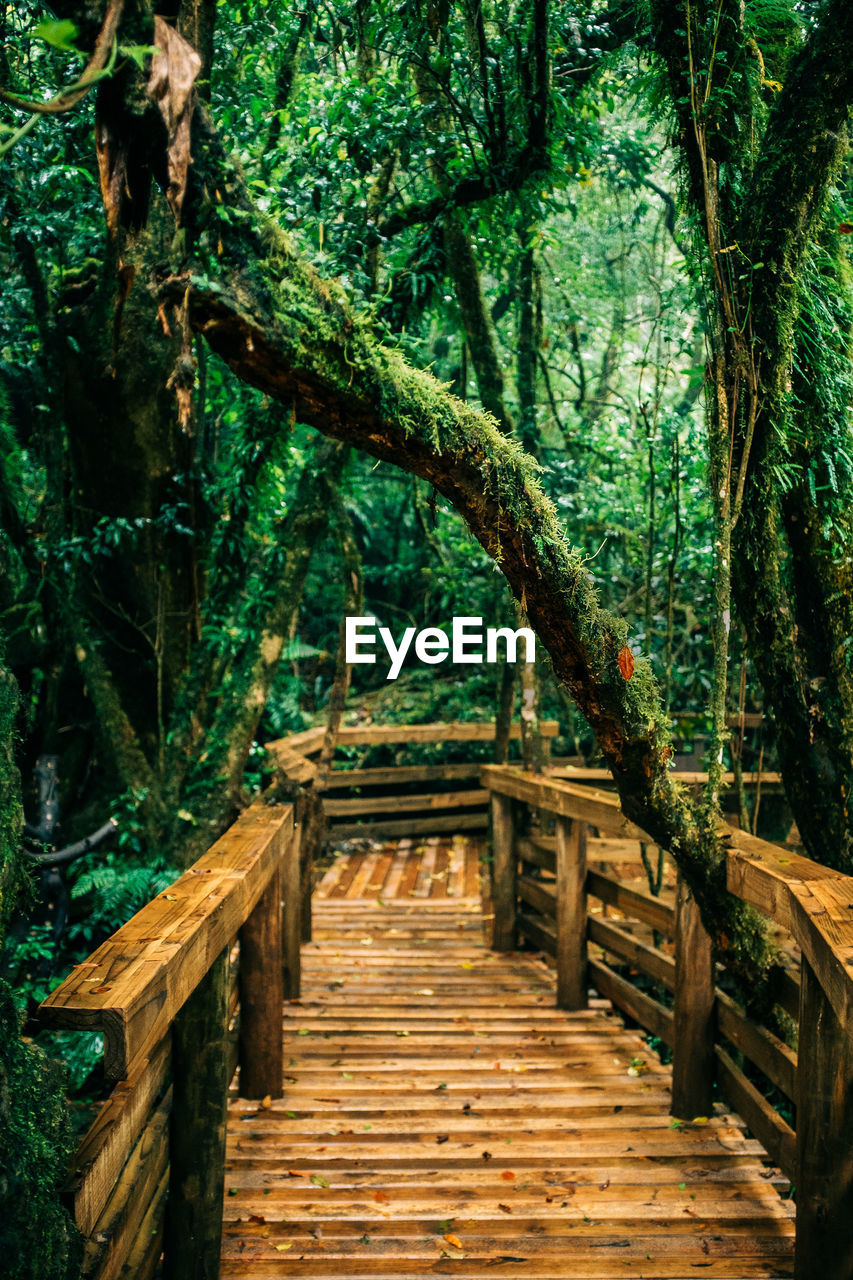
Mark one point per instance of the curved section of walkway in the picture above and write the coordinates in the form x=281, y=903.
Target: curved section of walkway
x=440, y=1117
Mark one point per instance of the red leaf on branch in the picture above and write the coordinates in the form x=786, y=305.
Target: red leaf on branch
x=626, y=663
x=845, y=228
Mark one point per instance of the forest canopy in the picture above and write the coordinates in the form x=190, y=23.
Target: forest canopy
x=531, y=310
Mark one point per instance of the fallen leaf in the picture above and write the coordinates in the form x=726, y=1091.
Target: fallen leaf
x=282, y=1248
x=256, y=1218
x=455, y=1241
x=508, y=1175
x=266, y=1101
x=505, y=1208
x=318, y=1180
x=381, y=1197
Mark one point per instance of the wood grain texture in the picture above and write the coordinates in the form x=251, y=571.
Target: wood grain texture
x=292, y=901
x=111, y=1240
x=598, y=808
x=406, y=804
x=504, y=873
x=200, y=1073
x=402, y=775
x=765, y=1122
x=771, y=1055
x=571, y=913
x=262, y=995
x=693, y=1010
x=824, y=1161
x=414, y=826
x=442, y=1117
x=813, y=902
x=132, y=987
x=104, y=1150
x=642, y=906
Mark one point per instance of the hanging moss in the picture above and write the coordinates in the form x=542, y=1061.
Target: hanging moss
x=12, y=880
x=297, y=338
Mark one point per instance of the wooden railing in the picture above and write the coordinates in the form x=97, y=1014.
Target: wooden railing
x=184, y=993
x=355, y=802
x=541, y=891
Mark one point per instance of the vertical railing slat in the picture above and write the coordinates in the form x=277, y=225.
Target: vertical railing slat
x=693, y=1051
x=824, y=1181
x=571, y=914
x=261, y=996
x=193, y=1230
x=291, y=885
x=504, y=873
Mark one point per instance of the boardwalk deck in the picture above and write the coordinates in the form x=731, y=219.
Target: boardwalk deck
x=440, y=1117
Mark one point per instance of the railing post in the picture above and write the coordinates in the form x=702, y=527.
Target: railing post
x=504, y=873
x=261, y=996
x=291, y=885
x=824, y=1177
x=571, y=913
x=693, y=1051
x=312, y=823
x=193, y=1229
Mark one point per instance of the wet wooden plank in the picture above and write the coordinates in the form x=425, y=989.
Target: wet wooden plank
x=441, y=1116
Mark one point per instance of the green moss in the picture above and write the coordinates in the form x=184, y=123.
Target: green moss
x=37, y=1238
x=12, y=876
x=296, y=337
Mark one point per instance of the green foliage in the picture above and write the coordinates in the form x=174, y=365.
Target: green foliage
x=59, y=34
x=12, y=876
x=111, y=892
x=37, y=1239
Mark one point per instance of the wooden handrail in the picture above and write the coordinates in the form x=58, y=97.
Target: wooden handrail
x=814, y=903
x=132, y=987
x=370, y=735
x=690, y=777
x=569, y=800
x=162, y=993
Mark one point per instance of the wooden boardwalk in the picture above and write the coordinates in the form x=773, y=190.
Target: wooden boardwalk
x=440, y=1117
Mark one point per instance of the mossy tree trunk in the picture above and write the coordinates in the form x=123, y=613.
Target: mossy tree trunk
x=37, y=1238
x=760, y=160
x=293, y=335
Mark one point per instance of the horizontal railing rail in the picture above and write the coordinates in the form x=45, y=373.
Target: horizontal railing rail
x=438, y=797
x=542, y=886
x=186, y=991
